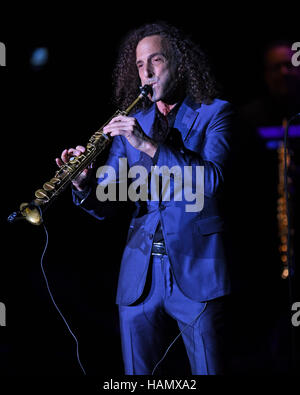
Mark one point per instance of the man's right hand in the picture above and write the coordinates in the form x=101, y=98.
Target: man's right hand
x=80, y=181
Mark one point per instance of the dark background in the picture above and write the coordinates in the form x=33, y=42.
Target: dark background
x=44, y=111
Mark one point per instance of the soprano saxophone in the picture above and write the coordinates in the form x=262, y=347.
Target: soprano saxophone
x=32, y=212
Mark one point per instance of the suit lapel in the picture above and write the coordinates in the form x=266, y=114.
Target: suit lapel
x=146, y=119
x=185, y=118
x=184, y=121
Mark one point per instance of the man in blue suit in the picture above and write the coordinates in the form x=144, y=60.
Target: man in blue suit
x=174, y=264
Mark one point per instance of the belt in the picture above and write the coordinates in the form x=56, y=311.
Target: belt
x=159, y=249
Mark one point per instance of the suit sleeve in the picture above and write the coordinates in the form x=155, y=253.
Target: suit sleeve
x=213, y=153
x=87, y=199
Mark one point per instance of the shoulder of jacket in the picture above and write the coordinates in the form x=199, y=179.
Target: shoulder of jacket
x=215, y=105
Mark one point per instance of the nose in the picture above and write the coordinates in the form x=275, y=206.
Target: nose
x=148, y=71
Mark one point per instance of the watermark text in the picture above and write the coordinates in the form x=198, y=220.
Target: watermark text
x=296, y=55
x=2, y=54
x=2, y=314
x=296, y=316
x=177, y=183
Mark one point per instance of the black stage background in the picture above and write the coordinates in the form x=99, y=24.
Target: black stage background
x=44, y=111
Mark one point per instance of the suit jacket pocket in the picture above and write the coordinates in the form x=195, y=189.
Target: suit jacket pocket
x=207, y=226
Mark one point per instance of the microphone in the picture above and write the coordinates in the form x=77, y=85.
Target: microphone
x=14, y=217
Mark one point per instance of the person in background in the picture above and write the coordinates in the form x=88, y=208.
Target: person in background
x=260, y=120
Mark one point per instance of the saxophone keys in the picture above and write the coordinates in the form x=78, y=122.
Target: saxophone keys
x=74, y=160
x=41, y=194
x=55, y=180
x=90, y=147
x=48, y=186
x=60, y=172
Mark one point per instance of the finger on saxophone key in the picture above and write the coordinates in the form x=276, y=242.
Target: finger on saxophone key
x=73, y=152
x=80, y=148
x=63, y=158
x=59, y=162
x=80, y=181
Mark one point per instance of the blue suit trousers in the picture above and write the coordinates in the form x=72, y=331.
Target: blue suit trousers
x=144, y=326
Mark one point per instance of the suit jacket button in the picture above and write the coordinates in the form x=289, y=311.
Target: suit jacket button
x=150, y=236
x=162, y=207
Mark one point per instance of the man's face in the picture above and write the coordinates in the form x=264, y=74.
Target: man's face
x=280, y=75
x=156, y=67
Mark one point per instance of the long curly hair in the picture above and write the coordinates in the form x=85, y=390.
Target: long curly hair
x=194, y=72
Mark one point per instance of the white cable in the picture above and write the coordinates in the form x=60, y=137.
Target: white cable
x=55, y=305
x=190, y=323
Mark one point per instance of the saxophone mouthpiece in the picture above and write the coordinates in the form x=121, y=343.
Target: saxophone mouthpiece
x=145, y=90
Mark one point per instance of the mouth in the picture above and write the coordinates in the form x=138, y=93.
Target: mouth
x=153, y=83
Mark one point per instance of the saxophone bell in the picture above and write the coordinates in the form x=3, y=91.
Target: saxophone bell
x=29, y=211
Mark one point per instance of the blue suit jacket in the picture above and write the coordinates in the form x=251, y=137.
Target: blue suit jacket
x=194, y=240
